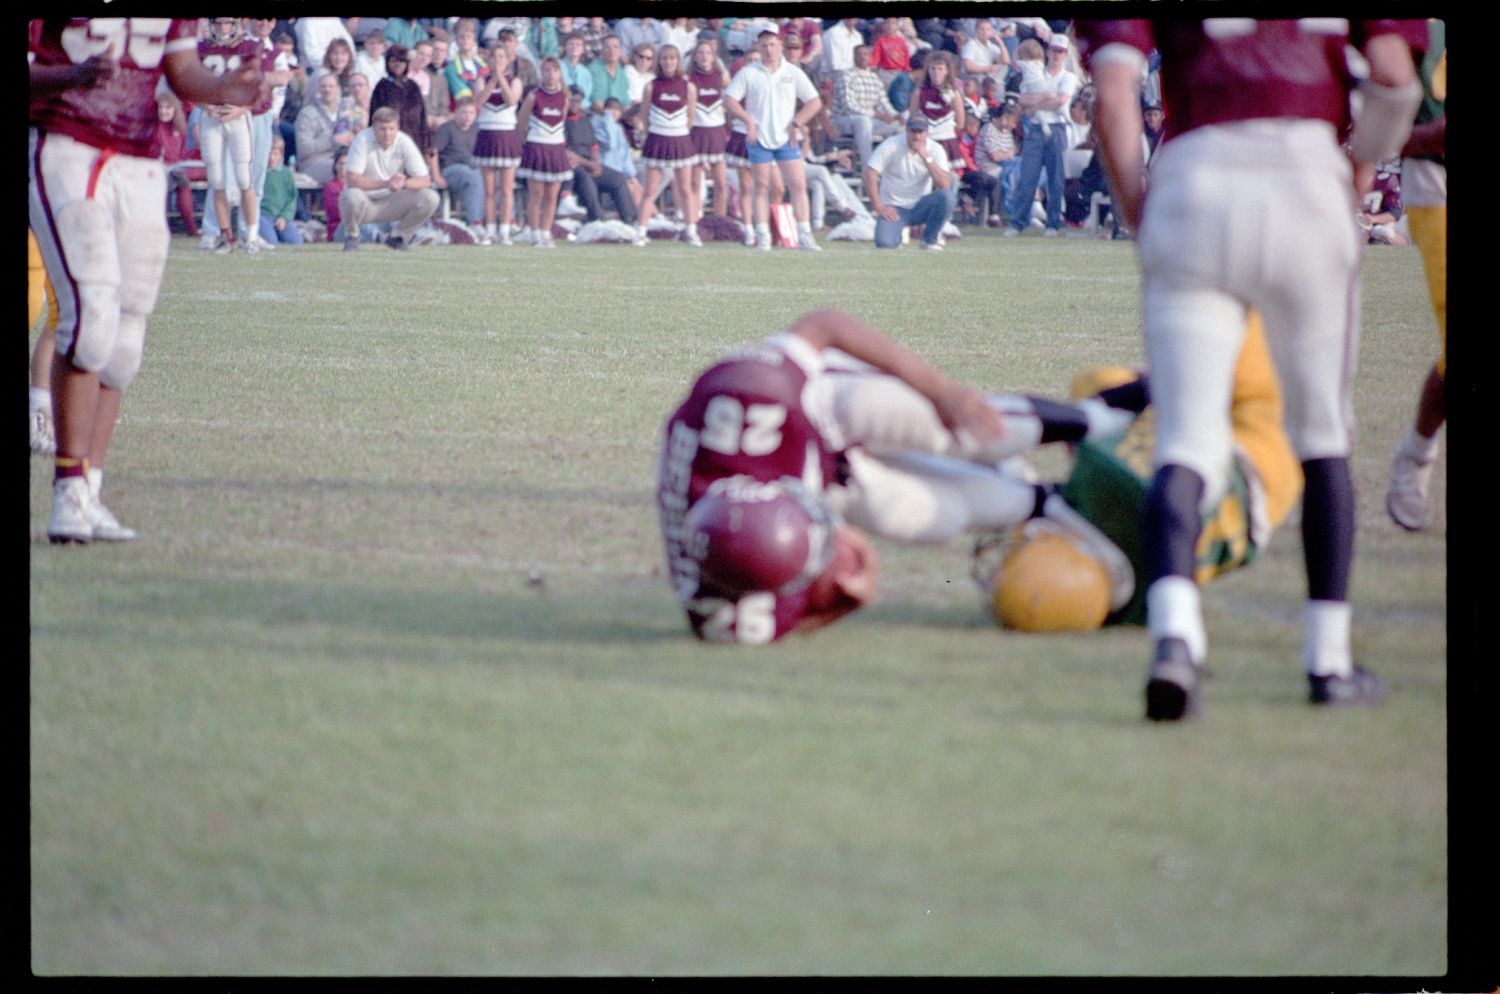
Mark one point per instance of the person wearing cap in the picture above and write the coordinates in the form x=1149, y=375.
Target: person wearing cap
x=791, y=50
x=764, y=95
x=908, y=178
x=809, y=43
x=1153, y=118
x=1045, y=139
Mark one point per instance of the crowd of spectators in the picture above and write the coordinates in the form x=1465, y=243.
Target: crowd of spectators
x=579, y=111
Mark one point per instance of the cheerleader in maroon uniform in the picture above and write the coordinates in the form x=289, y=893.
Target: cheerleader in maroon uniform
x=941, y=101
x=497, y=147
x=544, y=157
x=710, y=134
x=667, y=107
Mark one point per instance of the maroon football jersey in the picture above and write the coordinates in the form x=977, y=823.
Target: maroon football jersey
x=743, y=416
x=221, y=59
x=121, y=113
x=1225, y=69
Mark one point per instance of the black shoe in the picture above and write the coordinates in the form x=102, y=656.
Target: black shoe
x=1359, y=687
x=351, y=244
x=1172, y=683
x=397, y=242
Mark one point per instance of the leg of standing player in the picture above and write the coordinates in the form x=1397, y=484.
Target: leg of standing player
x=105, y=242
x=1407, y=499
x=794, y=176
x=40, y=297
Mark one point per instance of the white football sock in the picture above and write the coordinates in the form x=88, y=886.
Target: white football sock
x=1174, y=609
x=1325, y=638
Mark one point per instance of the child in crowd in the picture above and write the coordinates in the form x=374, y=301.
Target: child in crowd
x=1031, y=63
x=278, y=205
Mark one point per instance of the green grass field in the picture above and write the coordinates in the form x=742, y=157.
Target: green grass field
x=320, y=721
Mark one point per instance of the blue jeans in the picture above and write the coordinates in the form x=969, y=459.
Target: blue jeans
x=291, y=235
x=261, y=127
x=1038, y=152
x=931, y=212
x=466, y=191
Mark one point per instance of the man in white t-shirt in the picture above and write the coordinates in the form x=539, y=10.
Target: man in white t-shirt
x=1044, y=141
x=907, y=178
x=764, y=95
x=983, y=55
x=839, y=43
x=387, y=180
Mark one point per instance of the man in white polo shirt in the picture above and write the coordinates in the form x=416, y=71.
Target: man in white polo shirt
x=907, y=179
x=764, y=96
x=388, y=180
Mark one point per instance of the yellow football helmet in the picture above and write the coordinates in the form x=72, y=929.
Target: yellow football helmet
x=1099, y=378
x=1046, y=583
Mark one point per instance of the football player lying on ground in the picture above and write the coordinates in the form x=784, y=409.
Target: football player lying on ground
x=776, y=444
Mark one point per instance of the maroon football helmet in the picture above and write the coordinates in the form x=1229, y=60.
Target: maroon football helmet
x=750, y=536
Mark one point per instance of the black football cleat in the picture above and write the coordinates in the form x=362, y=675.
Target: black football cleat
x=1172, y=684
x=1359, y=687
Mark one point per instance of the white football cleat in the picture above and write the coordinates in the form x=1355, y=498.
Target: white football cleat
x=43, y=438
x=106, y=527
x=749, y=237
x=807, y=243
x=1406, y=501
x=763, y=242
x=72, y=506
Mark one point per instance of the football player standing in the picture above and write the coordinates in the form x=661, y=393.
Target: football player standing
x=227, y=129
x=1251, y=204
x=95, y=194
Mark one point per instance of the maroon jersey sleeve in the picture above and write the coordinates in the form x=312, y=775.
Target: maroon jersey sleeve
x=743, y=416
x=119, y=114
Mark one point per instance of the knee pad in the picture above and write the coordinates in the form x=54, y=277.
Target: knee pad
x=90, y=316
x=125, y=361
x=213, y=154
x=142, y=267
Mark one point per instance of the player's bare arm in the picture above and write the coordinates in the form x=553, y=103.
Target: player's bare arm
x=192, y=82
x=738, y=111
x=1118, y=127
x=961, y=408
x=1389, y=105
